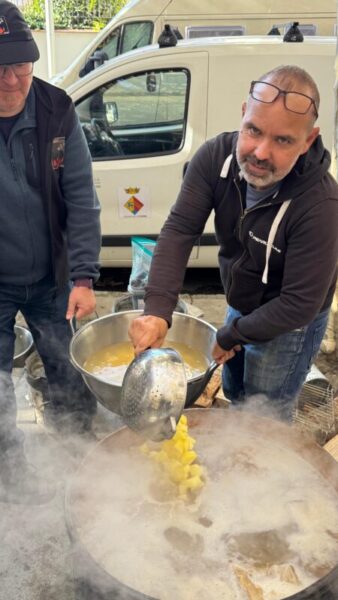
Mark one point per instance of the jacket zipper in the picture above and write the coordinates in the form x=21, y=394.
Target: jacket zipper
x=17, y=178
x=239, y=231
x=244, y=213
x=32, y=159
x=14, y=169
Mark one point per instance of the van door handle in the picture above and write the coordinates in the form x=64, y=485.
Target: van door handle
x=185, y=169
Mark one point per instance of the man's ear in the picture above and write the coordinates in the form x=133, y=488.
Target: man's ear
x=311, y=138
x=243, y=108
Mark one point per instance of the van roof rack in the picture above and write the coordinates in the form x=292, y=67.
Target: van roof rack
x=167, y=37
x=305, y=28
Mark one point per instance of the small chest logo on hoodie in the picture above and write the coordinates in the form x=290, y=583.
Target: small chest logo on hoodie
x=58, y=153
x=257, y=239
x=3, y=26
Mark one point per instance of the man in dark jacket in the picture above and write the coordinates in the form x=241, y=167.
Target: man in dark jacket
x=49, y=244
x=276, y=221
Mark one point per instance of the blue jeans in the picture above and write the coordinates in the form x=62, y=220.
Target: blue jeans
x=275, y=370
x=43, y=307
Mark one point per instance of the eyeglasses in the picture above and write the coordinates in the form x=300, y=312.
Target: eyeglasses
x=19, y=69
x=293, y=101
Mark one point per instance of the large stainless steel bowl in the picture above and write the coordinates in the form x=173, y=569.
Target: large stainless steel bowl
x=113, y=328
x=23, y=345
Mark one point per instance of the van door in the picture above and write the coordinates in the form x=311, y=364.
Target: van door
x=142, y=126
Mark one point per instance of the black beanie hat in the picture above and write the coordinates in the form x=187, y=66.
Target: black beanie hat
x=16, y=41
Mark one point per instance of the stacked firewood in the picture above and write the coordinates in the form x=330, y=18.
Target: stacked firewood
x=213, y=393
x=332, y=445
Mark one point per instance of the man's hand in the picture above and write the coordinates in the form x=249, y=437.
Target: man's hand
x=81, y=302
x=222, y=356
x=147, y=332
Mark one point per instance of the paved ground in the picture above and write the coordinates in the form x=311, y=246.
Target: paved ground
x=35, y=549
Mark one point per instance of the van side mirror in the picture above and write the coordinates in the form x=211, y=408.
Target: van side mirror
x=98, y=58
x=151, y=83
x=87, y=68
x=111, y=112
x=93, y=62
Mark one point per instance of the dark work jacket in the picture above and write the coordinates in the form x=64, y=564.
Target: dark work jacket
x=56, y=118
x=300, y=269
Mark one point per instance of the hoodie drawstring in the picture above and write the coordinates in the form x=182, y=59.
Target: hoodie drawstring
x=272, y=234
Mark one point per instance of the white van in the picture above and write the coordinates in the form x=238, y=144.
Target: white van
x=140, y=23
x=146, y=112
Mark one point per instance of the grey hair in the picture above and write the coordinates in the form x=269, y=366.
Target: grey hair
x=288, y=76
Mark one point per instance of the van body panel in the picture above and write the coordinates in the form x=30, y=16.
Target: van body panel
x=153, y=180
x=183, y=95
x=141, y=8
x=256, y=16
x=251, y=62
x=247, y=7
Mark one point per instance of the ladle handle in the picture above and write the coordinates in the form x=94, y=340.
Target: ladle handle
x=192, y=397
x=208, y=374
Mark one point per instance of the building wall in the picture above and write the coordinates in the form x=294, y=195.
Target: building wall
x=68, y=44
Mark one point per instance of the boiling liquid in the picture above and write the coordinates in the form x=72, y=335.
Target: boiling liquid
x=110, y=363
x=263, y=508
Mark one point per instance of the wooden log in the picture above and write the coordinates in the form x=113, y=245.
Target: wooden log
x=221, y=401
x=332, y=447
x=206, y=399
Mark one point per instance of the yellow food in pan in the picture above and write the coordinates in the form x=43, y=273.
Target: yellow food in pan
x=177, y=460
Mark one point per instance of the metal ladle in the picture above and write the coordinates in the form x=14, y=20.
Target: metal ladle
x=153, y=394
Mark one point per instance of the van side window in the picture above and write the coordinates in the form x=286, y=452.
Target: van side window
x=136, y=35
x=110, y=44
x=141, y=115
x=127, y=37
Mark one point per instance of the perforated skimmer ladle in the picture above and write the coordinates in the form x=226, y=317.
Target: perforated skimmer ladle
x=153, y=394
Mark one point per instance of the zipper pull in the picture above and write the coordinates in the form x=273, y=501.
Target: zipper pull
x=14, y=169
x=32, y=158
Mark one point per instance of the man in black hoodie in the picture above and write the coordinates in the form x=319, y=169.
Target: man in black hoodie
x=276, y=222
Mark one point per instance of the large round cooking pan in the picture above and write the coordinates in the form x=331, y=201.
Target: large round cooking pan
x=253, y=435
x=113, y=328
x=24, y=345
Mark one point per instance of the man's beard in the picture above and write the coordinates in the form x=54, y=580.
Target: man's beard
x=257, y=181
x=11, y=100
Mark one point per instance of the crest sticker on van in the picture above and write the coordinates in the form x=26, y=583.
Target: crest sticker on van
x=134, y=202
